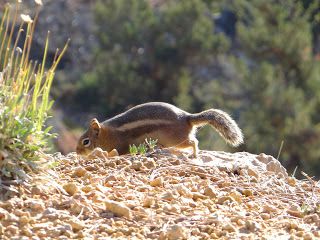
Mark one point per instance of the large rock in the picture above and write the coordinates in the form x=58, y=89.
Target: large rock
x=240, y=161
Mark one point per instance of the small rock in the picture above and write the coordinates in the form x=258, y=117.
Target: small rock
x=113, y=153
x=98, y=153
x=27, y=232
x=291, y=181
x=229, y=228
x=3, y=213
x=247, y=192
x=148, y=202
x=111, y=164
x=316, y=233
x=137, y=165
x=110, y=178
x=79, y=172
x=12, y=229
x=71, y=188
x=210, y=192
x=36, y=205
x=183, y=191
x=118, y=208
x=265, y=216
x=168, y=196
x=298, y=214
x=150, y=164
x=223, y=199
x=76, y=224
x=177, y=232
x=312, y=218
x=24, y=220
x=157, y=182
x=252, y=225
x=197, y=195
x=175, y=161
x=36, y=190
x=236, y=196
x=253, y=173
x=307, y=236
x=269, y=209
x=87, y=188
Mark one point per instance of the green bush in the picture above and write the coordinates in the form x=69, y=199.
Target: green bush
x=147, y=53
x=24, y=98
x=280, y=81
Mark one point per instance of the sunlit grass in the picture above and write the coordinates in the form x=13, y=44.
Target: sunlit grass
x=24, y=96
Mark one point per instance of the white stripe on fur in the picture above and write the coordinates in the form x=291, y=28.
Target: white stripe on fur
x=141, y=123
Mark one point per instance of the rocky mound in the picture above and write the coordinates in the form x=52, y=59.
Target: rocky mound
x=162, y=196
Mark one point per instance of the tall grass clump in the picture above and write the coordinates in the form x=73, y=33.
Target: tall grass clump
x=24, y=96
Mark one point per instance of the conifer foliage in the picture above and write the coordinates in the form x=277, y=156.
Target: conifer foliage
x=256, y=58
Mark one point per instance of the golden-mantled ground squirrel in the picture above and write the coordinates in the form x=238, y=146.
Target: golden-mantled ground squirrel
x=171, y=126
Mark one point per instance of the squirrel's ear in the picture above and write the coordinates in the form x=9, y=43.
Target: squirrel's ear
x=95, y=125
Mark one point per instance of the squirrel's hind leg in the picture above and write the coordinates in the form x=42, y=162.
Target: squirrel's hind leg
x=190, y=143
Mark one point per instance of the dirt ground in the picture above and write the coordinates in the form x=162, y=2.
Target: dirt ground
x=161, y=196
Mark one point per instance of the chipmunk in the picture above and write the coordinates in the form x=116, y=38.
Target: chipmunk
x=171, y=126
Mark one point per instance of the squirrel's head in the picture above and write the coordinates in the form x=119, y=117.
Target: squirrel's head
x=90, y=139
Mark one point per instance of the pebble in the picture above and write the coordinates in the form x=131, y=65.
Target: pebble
x=253, y=173
x=251, y=225
x=148, y=202
x=79, y=172
x=71, y=188
x=265, y=216
x=150, y=163
x=177, y=232
x=24, y=220
x=3, y=213
x=269, y=209
x=113, y=153
x=98, y=153
x=311, y=218
x=183, y=190
x=118, y=208
x=236, y=196
x=36, y=205
x=168, y=196
x=291, y=181
x=210, y=192
x=247, y=192
x=297, y=214
x=137, y=165
x=229, y=227
x=36, y=190
x=157, y=182
x=223, y=199
x=76, y=224
x=12, y=229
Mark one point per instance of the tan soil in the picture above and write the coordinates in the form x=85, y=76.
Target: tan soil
x=162, y=196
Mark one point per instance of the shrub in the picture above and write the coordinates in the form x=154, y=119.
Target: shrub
x=24, y=97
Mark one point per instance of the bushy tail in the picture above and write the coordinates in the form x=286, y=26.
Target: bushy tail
x=220, y=121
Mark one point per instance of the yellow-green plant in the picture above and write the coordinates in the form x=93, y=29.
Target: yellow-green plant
x=24, y=96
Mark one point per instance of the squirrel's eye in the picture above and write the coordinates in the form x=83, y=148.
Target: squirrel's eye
x=86, y=142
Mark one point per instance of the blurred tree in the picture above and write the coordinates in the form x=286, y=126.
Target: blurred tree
x=255, y=59
x=280, y=81
x=147, y=54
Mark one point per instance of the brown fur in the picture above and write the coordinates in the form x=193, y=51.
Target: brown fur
x=171, y=126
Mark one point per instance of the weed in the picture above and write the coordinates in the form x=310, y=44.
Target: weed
x=24, y=96
x=151, y=143
x=143, y=148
